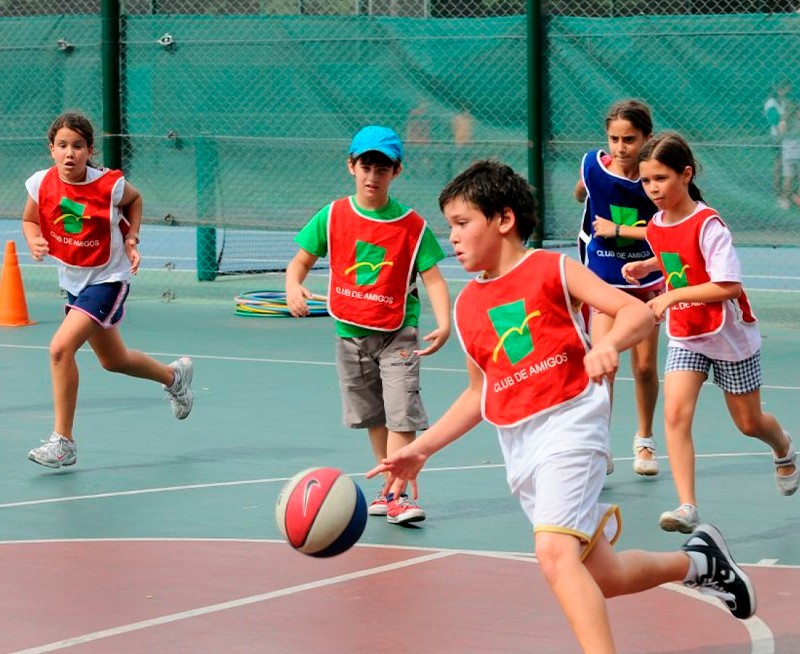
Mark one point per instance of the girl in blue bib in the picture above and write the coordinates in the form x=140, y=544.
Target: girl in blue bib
x=616, y=212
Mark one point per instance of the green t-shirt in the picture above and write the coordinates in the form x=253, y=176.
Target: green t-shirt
x=313, y=238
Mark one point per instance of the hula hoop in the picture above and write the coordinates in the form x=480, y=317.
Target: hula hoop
x=272, y=304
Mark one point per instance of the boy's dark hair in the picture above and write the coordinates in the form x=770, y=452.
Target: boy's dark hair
x=375, y=158
x=635, y=112
x=671, y=150
x=77, y=123
x=493, y=186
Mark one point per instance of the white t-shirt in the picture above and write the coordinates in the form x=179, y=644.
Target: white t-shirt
x=73, y=279
x=737, y=340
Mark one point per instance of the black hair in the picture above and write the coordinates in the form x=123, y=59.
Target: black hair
x=635, y=112
x=672, y=150
x=492, y=187
x=375, y=158
x=77, y=123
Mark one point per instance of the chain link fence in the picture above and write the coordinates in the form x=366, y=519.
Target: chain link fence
x=237, y=114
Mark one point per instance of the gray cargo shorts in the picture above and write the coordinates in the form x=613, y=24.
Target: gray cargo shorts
x=379, y=378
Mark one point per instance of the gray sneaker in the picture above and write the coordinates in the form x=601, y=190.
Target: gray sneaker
x=56, y=452
x=180, y=393
x=683, y=519
x=717, y=572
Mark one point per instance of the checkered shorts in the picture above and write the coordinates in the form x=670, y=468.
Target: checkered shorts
x=737, y=377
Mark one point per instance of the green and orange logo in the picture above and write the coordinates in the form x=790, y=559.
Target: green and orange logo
x=627, y=216
x=370, y=260
x=71, y=215
x=676, y=269
x=510, y=322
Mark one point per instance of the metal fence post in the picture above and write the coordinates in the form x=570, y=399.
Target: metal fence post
x=207, y=163
x=112, y=121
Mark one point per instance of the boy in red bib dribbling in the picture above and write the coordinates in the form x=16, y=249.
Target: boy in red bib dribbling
x=533, y=374
x=376, y=247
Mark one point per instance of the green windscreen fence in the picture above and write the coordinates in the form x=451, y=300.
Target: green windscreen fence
x=236, y=125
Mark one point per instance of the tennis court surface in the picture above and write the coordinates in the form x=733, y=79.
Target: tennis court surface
x=162, y=538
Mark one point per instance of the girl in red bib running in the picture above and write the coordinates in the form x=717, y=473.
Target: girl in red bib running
x=709, y=322
x=87, y=219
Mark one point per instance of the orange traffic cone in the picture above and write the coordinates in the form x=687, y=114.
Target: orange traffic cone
x=13, y=308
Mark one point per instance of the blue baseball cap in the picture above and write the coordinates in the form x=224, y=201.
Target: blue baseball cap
x=378, y=139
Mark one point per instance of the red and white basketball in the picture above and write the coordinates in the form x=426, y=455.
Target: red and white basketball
x=321, y=512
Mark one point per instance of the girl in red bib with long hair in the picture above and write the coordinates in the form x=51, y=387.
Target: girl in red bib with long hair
x=709, y=322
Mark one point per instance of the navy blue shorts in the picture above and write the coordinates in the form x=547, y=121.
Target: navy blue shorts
x=103, y=303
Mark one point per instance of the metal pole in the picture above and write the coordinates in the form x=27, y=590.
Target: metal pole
x=112, y=120
x=536, y=100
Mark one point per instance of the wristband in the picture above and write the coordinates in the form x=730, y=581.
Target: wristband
x=616, y=232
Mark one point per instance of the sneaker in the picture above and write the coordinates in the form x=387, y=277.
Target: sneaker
x=717, y=572
x=378, y=506
x=787, y=484
x=641, y=465
x=782, y=203
x=404, y=510
x=683, y=519
x=180, y=393
x=56, y=452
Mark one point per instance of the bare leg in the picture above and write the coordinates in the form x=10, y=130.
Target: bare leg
x=681, y=390
x=73, y=332
x=379, y=439
x=114, y=356
x=644, y=366
x=396, y=440
x=634, y=571
x=752, y=421
x=577, y=592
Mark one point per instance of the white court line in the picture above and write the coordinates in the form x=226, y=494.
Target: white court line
x=212, y=357
x=224, y=606
x=762, y=640
x=272, y=480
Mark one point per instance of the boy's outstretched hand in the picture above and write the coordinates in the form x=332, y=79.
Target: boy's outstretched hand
x=436, y=338
x=404, y=465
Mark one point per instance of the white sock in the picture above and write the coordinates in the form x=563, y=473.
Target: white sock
x=698, y=566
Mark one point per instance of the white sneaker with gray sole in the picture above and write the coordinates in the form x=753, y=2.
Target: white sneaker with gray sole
x=683, y=519
x=56, y=452
x=180, y=392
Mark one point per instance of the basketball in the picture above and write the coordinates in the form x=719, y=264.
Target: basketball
x=321, y=512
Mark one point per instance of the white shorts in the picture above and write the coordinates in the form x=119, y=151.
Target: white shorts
x=556, y=466
x=563, y=497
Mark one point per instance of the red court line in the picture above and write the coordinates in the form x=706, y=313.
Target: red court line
x=208, y=597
